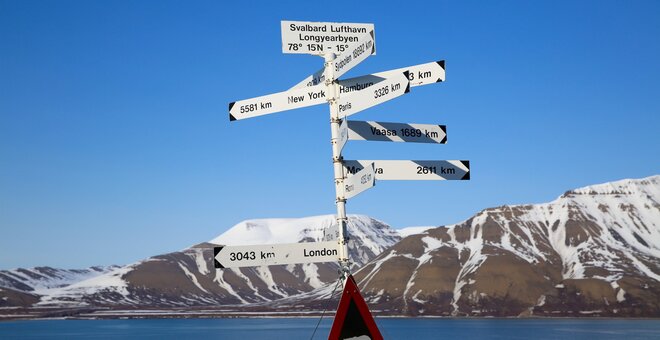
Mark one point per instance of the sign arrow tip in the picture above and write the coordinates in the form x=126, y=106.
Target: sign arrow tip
x=444, y=130
x=442, y=65
x=231, y=117
x=467, y=174
x=407, y=75
x=373, y=46
x=216, y=251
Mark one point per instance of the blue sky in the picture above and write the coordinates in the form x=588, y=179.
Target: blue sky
x=115, y=143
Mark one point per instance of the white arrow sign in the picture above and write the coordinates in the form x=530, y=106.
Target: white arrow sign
x=388, y=89
x=319, y=37
x=359, y=181
x=273, y=254
x=422, y=74
x=331, y=233
x=397, y=132
x=413, y=170
x=277, y=102
x=343, y=134
x=354, y=54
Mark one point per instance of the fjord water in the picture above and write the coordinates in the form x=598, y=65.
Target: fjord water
x=303, y=328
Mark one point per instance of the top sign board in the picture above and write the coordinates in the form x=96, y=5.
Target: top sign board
x=316, y=38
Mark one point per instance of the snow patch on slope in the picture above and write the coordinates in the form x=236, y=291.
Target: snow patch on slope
x=192, y=278
x=202, y=263
x=276, y=230
x=40, y=279
x=405, y=232
x=110, y=283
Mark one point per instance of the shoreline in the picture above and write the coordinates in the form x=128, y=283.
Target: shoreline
x=30, y=314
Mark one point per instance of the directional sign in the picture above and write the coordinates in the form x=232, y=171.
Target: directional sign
x=422, y=74
x=277, y=102
x=354, y=54
x=273, y=254
x=390, y=88
x=331, y=233
x=343, y=134
x=413, y=170
x=316, y=78
x=319, y=37
x=397, y=132
x=359, y=181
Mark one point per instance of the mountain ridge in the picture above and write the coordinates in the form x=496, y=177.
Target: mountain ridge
x=590, y=242
x=593, y=250
x=190, y=278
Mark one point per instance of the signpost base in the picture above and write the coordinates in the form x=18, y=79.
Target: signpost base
x=353, y=319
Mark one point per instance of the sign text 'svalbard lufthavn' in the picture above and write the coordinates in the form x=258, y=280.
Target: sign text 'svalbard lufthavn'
x=320, y=37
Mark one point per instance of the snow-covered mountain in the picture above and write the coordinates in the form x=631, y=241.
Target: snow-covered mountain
x=592, y=250
x=22, y=286
x=187, y=277
x=369, y=236
x=42, y=278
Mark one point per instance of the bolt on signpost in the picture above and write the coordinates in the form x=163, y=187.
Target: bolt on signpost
x=343, y=46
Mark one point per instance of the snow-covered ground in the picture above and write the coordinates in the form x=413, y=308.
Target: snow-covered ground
x=39, y=279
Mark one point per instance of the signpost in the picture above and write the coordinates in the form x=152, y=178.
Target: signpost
x=397, y=132
x=318, y=38
x=354, y=54
x=422, y=74
x=343, y=46
x=343, y=134
x=331, y=233
x=389, y=170
x=390, y=88
x=273, y=254
x=359, y=181
x=276, y=102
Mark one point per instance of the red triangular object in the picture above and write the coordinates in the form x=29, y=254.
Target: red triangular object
x=353, y=318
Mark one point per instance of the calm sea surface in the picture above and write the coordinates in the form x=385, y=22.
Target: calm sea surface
x=302, y=328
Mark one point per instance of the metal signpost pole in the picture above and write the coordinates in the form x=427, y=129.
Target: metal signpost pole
x=332, y=97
